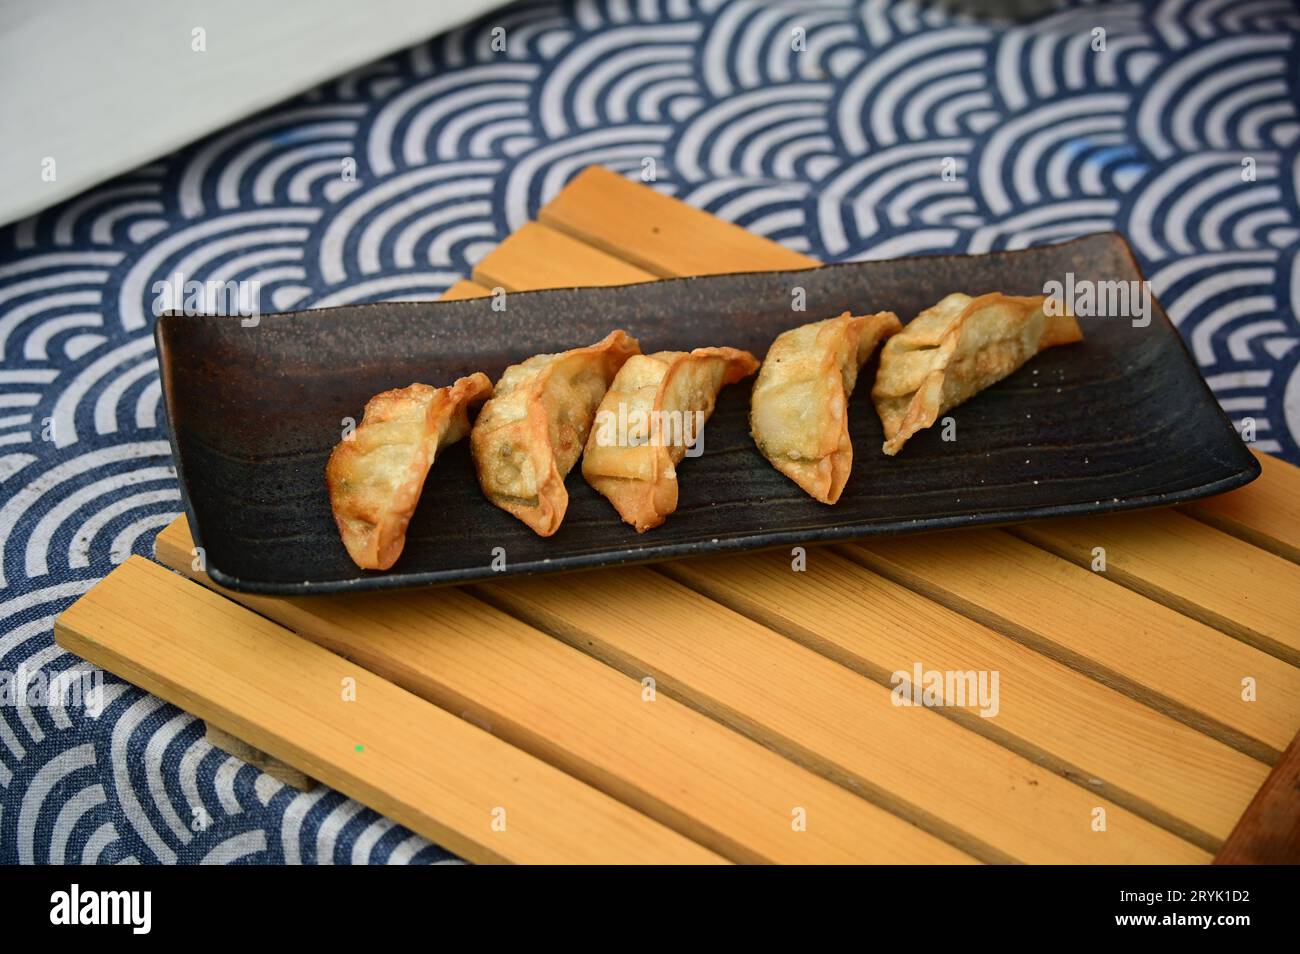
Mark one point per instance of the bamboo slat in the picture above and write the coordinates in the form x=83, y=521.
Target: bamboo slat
x=1265, y=512
x=721, y=790
x=1203, y=573
x=978, y=795
x=465, y=289
x=407, y=759
x=1054, y=715
x=657, y=233
x=1148, y=651
x=540, y=257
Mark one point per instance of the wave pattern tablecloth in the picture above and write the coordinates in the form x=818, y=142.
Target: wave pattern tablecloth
x=825, y=125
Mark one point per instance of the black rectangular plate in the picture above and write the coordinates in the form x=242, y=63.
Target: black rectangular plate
x=1119, y=421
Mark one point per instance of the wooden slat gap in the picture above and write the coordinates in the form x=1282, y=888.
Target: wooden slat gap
x=1279, y=548
x=679, y=572
x=1264, y=513
x=444, y=681
x=609, y=248
x=739, y=722
x=538, y=256
x=1039, y=536
x=413, y=765
x=1238, y=740
x=659, y=233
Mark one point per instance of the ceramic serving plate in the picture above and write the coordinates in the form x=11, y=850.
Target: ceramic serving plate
x=1120, y=421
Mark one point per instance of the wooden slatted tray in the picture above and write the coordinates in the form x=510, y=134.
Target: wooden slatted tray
x=735, y=709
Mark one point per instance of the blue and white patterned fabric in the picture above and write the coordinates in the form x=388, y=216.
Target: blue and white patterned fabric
x=824, y=125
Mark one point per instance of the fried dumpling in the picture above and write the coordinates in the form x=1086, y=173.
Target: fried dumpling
x=375, y=476
x=799, y=410
x=955, y=349
x=529, y=436
x=651, y=415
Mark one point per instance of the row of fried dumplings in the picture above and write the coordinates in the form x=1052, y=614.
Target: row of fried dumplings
x=537, y=421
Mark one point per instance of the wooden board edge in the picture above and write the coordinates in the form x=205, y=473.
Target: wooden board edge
x=1269, y=832
x=90, y=642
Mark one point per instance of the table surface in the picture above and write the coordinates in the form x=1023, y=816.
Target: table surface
x=823, y=151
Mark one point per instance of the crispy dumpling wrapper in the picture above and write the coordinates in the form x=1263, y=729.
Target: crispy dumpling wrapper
x=955, y=349
x=376, y=475
x=649, y=418
x=529, y=436
x=799, y=410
